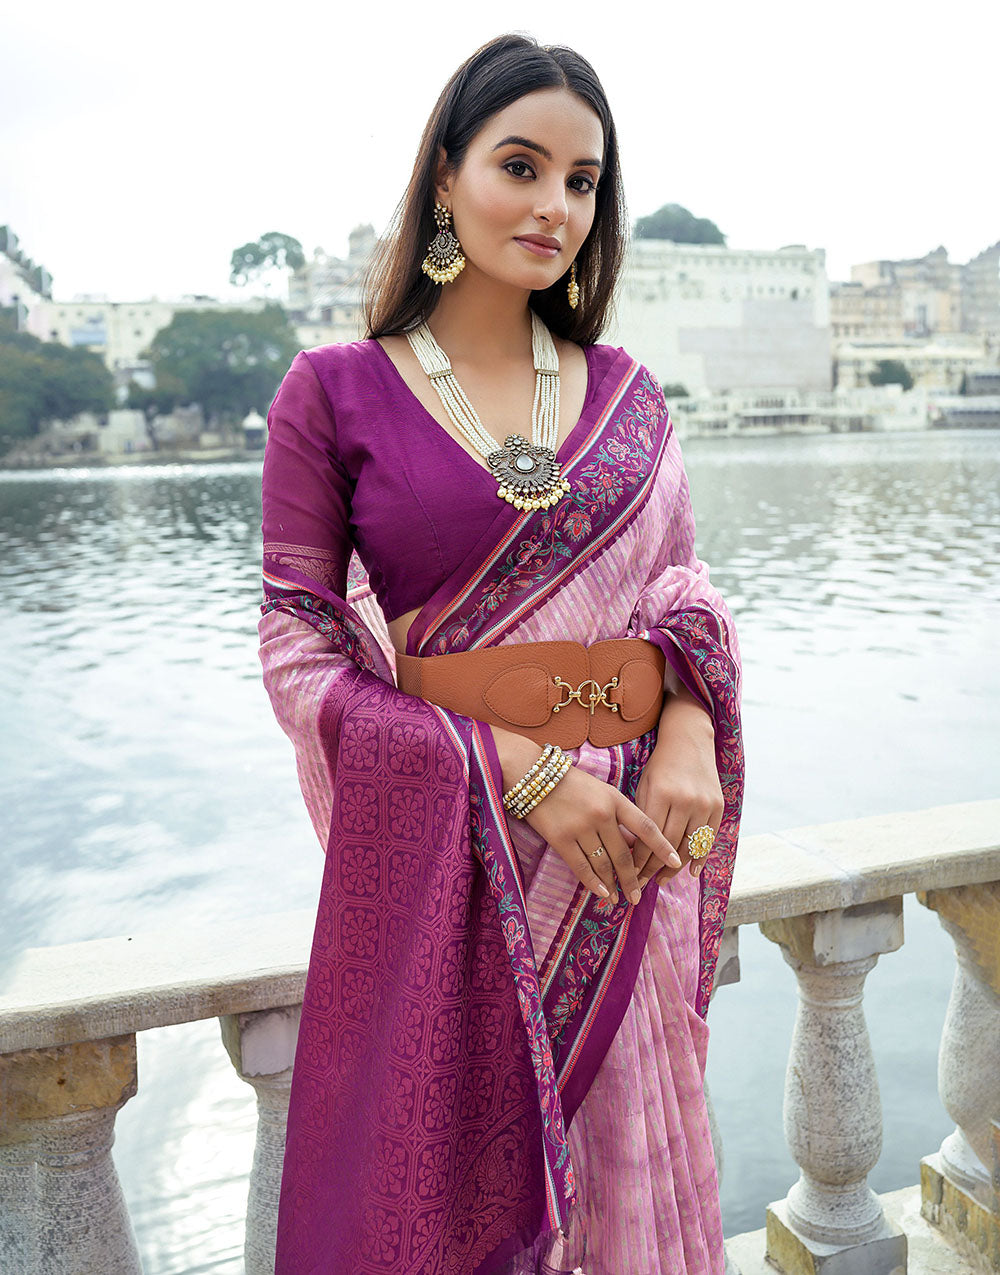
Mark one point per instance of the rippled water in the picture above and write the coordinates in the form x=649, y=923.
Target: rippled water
x=144, y=782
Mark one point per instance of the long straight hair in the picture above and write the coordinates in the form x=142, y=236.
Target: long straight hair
x=398, y=295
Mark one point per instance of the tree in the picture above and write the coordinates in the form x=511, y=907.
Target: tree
x=228, y=361
x=679, y=226
x=42, y=381
x=675, y=390
x=273, y=251
x=891, y=372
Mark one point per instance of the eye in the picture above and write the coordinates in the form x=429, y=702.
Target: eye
x=520, y=164
x=588, y=187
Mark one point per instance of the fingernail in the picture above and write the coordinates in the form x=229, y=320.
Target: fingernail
x=614, y=898
x=601, y=888
x=636, y=896
x=674, y=860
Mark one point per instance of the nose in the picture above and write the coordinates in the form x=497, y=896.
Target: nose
x=550, y=204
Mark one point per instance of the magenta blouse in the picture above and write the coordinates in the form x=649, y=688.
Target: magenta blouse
x=398, y=487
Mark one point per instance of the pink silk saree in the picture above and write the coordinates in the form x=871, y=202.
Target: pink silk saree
x=497, y=1072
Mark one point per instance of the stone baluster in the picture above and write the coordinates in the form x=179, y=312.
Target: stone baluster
x=262, y=1048
x=957, y=1183
x=57, y=1117
x=831, y=1221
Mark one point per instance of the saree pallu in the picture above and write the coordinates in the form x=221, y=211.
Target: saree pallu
x=466, y=997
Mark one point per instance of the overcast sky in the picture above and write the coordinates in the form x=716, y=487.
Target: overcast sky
x=141, y=143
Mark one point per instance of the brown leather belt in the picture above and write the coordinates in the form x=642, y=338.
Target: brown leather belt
x=553, y=692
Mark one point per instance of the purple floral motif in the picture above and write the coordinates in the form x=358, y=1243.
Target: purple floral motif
x=397, y=1104
x=358, y=993
x=358, y=807
x=407, y=748
x=407, y=814
x=359, y=869
x=446, y=1039
x=432, y=1169
x=382, y=1234
x=409, y=1034
x=389, y=1167
x=439, y=1104
x=359, y=932
x=359, y=745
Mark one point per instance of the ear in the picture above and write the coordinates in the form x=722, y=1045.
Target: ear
x=442, y=175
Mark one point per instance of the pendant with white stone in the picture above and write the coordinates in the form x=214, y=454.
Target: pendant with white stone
x=527, y=475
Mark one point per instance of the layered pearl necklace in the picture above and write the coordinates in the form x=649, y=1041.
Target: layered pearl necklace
x=527, y=474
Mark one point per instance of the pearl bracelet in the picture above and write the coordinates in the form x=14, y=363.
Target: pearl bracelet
x=514, y=793
x=547, y=771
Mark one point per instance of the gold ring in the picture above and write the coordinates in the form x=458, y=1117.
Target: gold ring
x=700, y=841
x=596, y=854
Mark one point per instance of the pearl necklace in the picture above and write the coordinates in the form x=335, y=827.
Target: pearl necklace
x=527, y=474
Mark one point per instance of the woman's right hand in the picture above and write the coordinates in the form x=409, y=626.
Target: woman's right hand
x=581, y=814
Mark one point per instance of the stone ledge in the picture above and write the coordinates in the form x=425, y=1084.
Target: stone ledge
x=114, y=987
x=928, y=1252
x=837, y=865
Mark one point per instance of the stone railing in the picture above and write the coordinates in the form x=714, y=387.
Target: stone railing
x=831, y=896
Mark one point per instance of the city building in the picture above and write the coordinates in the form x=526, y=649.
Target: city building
x=927, y=290
x=981, y=294
x=324, y=296
x=937, y=364
x=714, y=318
x=918, y=298
x=119, y=331
x=23, y=284
x=792, y=411
x=861, y=313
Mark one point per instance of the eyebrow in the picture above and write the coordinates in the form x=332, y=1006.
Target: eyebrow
x=543, y=151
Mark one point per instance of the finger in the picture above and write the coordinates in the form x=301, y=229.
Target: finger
x=624, y=864
x=655, y=805
x=599, y=858
x=592, y=876
x=645, y=829
x=676, y=824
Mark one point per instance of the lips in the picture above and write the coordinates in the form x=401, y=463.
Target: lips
x=540, y=245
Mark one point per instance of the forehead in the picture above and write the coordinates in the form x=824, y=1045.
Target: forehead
x=556, y=118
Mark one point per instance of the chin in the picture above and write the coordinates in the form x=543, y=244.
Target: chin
x=527, y=280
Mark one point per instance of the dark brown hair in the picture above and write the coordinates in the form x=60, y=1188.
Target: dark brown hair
x=398, y=295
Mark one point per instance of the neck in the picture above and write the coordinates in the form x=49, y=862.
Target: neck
x=479, y=319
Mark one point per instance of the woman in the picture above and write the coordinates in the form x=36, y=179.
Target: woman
x=501, y=1058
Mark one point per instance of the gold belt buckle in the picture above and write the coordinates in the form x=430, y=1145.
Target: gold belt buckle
x=597, y=694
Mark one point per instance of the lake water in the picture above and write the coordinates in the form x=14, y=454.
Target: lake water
x=144, y=782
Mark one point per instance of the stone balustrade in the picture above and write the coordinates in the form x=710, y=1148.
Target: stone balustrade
x=830, y=896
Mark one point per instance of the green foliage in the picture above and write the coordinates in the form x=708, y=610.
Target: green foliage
x=167, y=394
x=675, y=390
x=270, y=251
x=229, y=361
x=679, y=226
x=891, y=372
x=42, y=381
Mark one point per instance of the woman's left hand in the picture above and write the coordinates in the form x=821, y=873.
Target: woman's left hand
x=679, y=788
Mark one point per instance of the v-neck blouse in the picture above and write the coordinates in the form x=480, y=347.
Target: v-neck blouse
x=396, y=485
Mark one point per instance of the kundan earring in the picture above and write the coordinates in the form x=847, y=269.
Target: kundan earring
x=573, y=288
x=444, y=260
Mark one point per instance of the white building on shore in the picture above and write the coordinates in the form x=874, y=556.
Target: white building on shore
x=750, y=413
x=940, y=363
x=119, y=331
x=713, y=318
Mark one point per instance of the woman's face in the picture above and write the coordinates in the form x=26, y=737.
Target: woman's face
x=523, y=198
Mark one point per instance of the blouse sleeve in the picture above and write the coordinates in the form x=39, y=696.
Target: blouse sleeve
x=306, y=491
